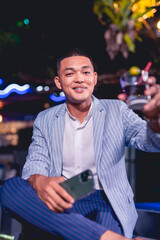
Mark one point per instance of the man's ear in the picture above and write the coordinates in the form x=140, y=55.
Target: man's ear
x=57, y=82
x=95, y=78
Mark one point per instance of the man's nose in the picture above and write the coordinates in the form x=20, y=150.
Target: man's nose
x=79, y=78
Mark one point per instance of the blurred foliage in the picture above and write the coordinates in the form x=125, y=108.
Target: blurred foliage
x=124, y=20
x=13, y=36
x=8, y=38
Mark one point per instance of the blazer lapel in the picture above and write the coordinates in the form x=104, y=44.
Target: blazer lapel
x=58, y=127
x=98, y=127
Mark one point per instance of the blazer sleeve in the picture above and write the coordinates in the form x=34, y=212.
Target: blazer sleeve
x=38, y=160
x=138, y=133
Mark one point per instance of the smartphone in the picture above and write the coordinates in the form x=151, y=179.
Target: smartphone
x=80, y=185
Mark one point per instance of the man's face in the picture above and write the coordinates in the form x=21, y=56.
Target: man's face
x=76, y=79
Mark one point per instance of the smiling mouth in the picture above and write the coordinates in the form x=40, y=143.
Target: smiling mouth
x=79, y=88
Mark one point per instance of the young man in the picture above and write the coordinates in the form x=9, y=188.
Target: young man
x=83, y=133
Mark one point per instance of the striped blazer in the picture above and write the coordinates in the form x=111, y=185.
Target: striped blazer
x=114, y=127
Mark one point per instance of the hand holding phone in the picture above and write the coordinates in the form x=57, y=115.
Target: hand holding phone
x=80, y=185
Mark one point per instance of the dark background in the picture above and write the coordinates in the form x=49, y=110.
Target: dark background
x=55, y=26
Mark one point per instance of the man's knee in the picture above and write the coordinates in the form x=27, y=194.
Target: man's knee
x=10, y=190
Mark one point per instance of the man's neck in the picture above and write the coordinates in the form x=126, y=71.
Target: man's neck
x=79, y=111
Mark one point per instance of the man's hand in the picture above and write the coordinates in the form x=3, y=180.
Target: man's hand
x=51, y=193
x=109, y=235
x=151, y=110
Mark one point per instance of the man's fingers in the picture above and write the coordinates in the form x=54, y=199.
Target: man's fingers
x=55, y=189
x=153, y=104
x=122, y=96
x=54, y=207
x=55, y=197
x=58, y=179
x=152, y=90
x=64, y=194
x=63, y=200
x=59, y=198
x=151, y=80
x=57, y=203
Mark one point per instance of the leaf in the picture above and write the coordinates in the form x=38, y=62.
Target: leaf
x=130, y=43
x=102, y=7
x=137, y=15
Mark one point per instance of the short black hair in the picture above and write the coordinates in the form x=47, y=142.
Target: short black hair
x=74, y=52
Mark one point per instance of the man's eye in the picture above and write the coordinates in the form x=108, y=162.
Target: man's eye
x=69, y=74
x=86, y=72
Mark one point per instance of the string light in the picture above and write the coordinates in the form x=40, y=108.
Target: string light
x=1, y=81
x=1, y=105
x=14, y=88
x=39, y=88
x=19, y=24
x=1, y=118
x=158, y=25
x=158, y=29
x=26, y=21
x=46, y=88
x=57, y=98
